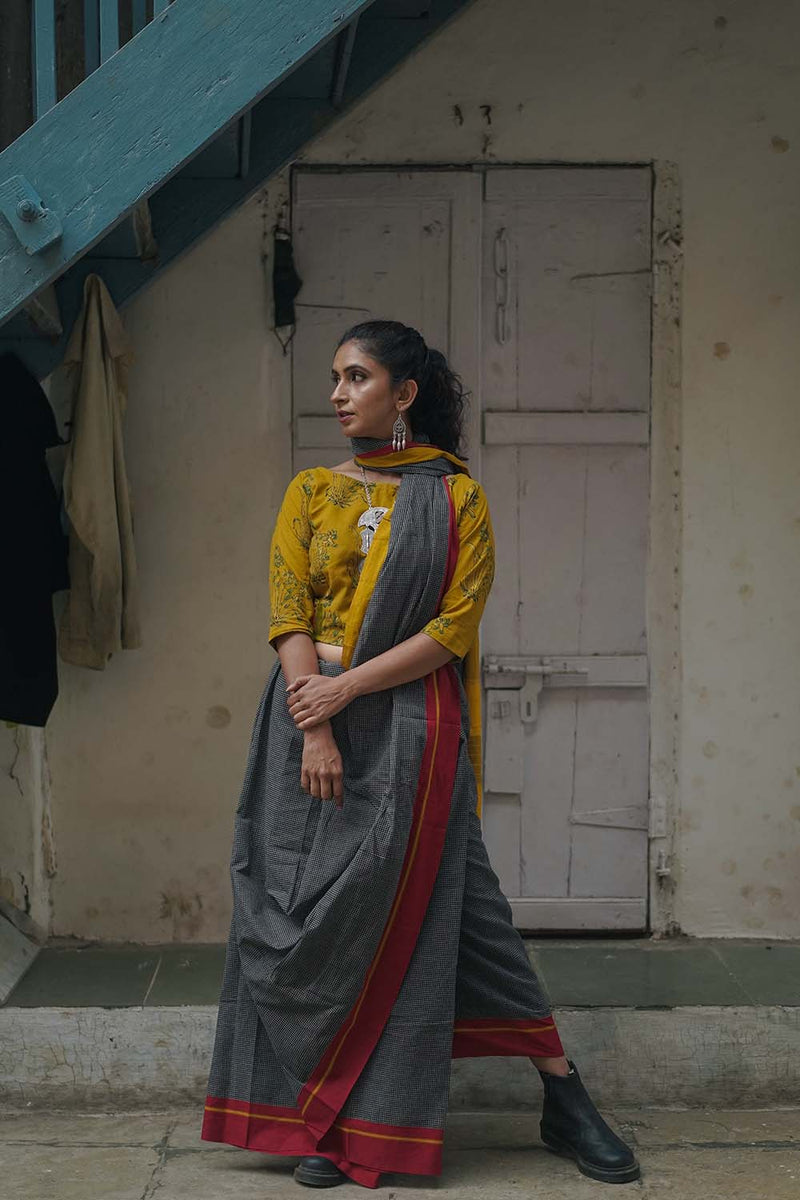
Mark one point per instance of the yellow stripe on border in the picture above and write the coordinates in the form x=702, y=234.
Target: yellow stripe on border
x=237, y=1112
x=386, y=1137
x=390, y=1137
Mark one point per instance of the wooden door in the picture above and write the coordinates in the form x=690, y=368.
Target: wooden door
x=536, y=283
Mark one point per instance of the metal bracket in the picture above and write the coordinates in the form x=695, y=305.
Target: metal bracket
x=35, y=225
x=529, y=697
x=501, y=286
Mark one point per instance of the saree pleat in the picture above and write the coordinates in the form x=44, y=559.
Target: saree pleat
x=370, y=944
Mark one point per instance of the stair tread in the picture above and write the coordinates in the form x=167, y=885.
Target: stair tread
x=577, y=973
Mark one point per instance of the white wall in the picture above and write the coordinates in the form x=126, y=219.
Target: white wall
x=147, y=757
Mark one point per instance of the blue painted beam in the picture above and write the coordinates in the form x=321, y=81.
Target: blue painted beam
x=109, y=29
x=138, y=15
x=187, y=209
x=43, y=39
x=146, y=111
x=91, y=36
x=343, y=64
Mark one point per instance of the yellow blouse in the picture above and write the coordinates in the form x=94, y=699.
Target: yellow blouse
x=315, y=551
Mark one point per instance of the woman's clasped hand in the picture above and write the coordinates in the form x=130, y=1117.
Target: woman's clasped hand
x=315, y=698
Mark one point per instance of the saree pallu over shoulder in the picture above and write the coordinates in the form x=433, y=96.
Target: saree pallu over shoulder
x=422, y=496
x=352, y=976
x=378, y=457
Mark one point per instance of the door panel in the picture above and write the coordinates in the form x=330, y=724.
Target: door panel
x=400, y=245
x=565, y=385
x=574, y=245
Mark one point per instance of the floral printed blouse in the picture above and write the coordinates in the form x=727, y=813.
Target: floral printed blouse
x=315, y=554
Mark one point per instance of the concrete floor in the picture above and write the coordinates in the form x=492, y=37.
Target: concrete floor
x=693, y=1154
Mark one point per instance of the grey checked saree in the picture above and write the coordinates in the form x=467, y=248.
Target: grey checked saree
x=370, y=944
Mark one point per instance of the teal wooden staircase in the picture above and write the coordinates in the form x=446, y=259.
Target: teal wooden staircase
x=167, y=133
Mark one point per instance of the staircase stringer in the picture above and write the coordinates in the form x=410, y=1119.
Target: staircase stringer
x=137, y=119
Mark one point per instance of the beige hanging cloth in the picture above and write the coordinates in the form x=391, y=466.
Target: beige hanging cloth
x=102, y=610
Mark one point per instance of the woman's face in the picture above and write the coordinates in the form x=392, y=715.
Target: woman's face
x=362, y=388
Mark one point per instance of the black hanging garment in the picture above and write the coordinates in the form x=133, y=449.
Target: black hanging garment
x=35, y=548
x=286, y=283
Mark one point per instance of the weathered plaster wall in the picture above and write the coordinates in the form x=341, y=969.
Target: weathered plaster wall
x=16, y=861
x=148, y=756
x=28, y=860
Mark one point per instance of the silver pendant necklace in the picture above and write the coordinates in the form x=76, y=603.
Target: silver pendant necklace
x=369, y=521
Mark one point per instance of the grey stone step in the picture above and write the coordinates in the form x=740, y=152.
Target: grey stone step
x=648, y=1022
x=157, y=1055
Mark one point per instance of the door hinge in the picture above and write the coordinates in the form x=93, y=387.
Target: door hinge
x=658, y=817
x=663, y=869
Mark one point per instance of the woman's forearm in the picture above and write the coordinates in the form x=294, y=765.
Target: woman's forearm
x=411, y=659
x=297, y=653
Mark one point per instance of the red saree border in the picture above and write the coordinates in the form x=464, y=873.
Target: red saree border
x=330, y=1083
x=282, y=1130
x=332, y=1080
x=475, y=1037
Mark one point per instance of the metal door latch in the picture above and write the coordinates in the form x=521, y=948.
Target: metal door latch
x=35, y=225
x=500, y=706
x=528, y=676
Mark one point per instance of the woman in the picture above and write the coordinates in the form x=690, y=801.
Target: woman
x=370, y=942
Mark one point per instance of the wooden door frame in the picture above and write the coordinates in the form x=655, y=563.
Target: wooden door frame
x=663, y=585
x=663, y=580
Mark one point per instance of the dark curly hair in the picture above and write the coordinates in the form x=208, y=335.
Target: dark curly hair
x=438, y=408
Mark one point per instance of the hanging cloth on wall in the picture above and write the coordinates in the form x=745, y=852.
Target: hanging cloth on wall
x=34, y=548
x=102, y=611
x=286, y=283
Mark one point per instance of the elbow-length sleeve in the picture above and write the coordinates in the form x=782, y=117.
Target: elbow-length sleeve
x=456, y=624
x=290, y=593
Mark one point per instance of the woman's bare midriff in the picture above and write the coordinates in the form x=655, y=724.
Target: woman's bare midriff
x=329, y=652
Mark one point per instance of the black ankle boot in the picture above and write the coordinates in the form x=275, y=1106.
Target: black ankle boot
x=572, y=1126
x=316, y=1171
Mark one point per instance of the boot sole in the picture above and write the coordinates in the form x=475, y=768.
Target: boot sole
x=605, y=1174
x=316, y=1178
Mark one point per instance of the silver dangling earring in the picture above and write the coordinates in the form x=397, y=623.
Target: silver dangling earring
x=399, y=430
